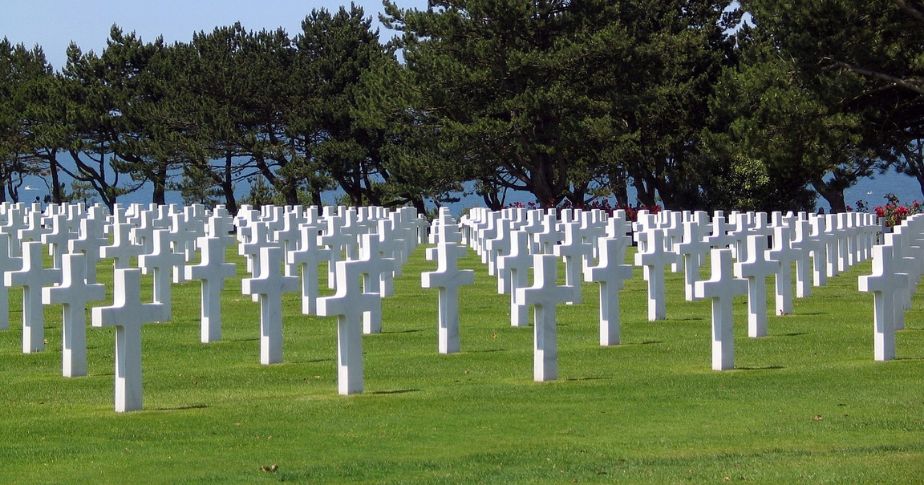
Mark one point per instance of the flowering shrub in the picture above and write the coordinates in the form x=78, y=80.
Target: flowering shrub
x=604, y=205
x=895, y=212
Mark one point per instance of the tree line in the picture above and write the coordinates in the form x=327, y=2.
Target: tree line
x=574, y=100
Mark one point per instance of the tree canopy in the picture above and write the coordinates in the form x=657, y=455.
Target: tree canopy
x=679, y=101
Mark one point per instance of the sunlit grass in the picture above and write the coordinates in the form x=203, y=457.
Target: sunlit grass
x=806, y=403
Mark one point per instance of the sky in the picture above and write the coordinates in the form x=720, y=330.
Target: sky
x=53, y=24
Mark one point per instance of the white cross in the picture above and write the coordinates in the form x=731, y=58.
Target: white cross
x=336, y=240
x=122, y=249
x=693, y=249
x=57, y=238
x=496, y=247
x=307, y=258
x=259, y=239
x=389, y=247
x=610, y=272
x=544, y=295
x=572, y=250
x=376, y=266
x=549, y=235
x=32, y=277
x=722, y=288
x=348, y=305
x=820, y=242
x=803, y=244
x=212, y=271
x=654, y=258
x=89, y=241
x=269, y=284
x=448, y=278
x=127, y=314
x=8, y=263
x=755, y=269
x=517, y=263
x=884, y=283
x=14, y=222
x=784, y=254
x=160, y=263
x=73, y=294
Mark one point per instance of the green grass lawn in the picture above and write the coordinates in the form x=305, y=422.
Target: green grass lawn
x=806, y=403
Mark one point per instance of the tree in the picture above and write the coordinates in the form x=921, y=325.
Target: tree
x=504, y=85
x=860, y=59
x=25, y=81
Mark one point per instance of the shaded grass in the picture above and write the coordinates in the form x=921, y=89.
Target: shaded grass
x=806, y=403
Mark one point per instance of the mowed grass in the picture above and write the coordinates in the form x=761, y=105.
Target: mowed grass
x=806, y=403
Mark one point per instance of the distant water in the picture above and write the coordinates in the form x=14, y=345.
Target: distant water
x=871, y=190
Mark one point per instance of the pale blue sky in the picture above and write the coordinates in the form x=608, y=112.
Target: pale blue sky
x=53, y=24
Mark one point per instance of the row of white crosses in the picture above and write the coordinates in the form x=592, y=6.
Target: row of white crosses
x=897, y=268
x=364, y=250
x=820, y=246
x=164, y=240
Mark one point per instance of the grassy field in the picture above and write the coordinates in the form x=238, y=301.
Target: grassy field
x=806, y=403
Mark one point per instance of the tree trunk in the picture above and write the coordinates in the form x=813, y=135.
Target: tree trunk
x=160, y=184
x=643, y=194
x=834, y=197
x=56, y=196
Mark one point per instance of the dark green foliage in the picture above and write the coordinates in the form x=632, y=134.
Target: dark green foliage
x=564, y=99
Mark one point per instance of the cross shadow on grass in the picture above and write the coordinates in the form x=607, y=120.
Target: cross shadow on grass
x=765, y=367
x=412, y=330
x=394, y=391
x=181, y=408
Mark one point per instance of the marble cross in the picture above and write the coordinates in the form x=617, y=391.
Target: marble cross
x=8, y=263
x=127, y=314
x=544, y=295
x=121, y=250
x=32, y=278
x=884, y=283
x=803, y=244
x=819, y=238
x=693, y=249
x=73, y=294
x=654, y=258
x=610, y=271
x=548, y=236
x=212, y=271
x=572, y=250
x=722, y=288
x=89, y=241
x=448, y=278
x=160, y=262
x=348, y=305
x=57, y=238
x=269, y=284
x=307, y=257
x=376, y=266
x=755, y=269
x=782, y=253
x=517, y=263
